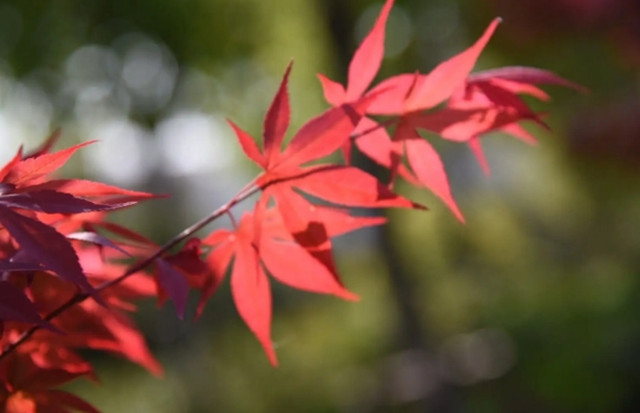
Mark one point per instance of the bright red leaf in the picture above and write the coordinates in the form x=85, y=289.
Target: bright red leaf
x=33, y=170
x=367, y=59
x=440, y=83
x=302, y=260
x=58, y=226
x=429, y=169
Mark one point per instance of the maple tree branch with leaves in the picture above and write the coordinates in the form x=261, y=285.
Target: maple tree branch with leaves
x=65, y=282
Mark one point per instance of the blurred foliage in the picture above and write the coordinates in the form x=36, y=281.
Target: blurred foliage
x=531, y=306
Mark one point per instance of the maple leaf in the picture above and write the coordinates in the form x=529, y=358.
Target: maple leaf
x=412, y=92
x=321, y=136
x=173, y=283
x=364, y=65
x=249, y=285
x=14, y=304
x=32, y=170
x=96, y=191
x=24, y=178
x=88, y=324
x=316, y=139
x=490, y=101
x=56, y=226
x=363, y=68
x=31, y=205
x=302, y=260
x=196, y=273
x=476, y=104
x=45, y=245
x=409, y=94
x=29, y=388
x=399, y=96
x=50, y=202
x=170, y=272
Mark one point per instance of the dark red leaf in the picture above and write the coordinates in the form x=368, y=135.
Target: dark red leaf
x=63, y=398
x=51, y=202
x=507, y=100
x=461, y=125
x=9, y=265
x=174, y=284
x=15, y=306
x=524, y=74
x=45, y=245
x=6, y=188
x=90, y=189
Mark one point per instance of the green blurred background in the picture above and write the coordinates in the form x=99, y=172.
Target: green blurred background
x=532, y=306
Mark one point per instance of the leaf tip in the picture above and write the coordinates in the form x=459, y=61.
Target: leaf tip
x=349, y=296
x=416, y=205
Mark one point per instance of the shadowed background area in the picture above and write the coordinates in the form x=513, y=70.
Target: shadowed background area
x=531, y=306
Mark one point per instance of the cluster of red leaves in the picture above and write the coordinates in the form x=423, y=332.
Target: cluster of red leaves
x=57, y=263
x=289, y=236
x=50, y=253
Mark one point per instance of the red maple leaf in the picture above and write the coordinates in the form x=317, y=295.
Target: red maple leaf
x=299, y=252
x=303, y=260
x=186, y=269
x=475, y=105
x=284, y=172
x=30, y=205
x=48, y=226
x=28, y=388
x=54, y=252
x=402, y=96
